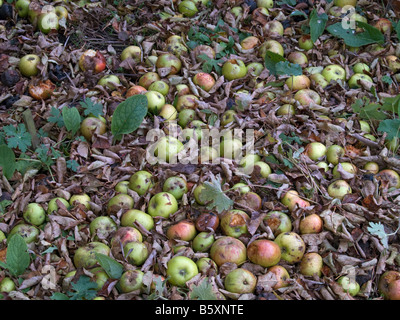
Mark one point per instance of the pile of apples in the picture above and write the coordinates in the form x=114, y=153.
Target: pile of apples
x=201, y=245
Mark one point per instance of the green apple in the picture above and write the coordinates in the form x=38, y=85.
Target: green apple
x=234, y=69
x=298, y=82
x=159, y=86
x=129, y=217
x=271, y=45
x=85, y=256
x=187, y=8
x=353, y=81
x=28, y=232
x=338, y=189
x=133, y=52
x=167, y=149
x=118, y=202
x=61, y=12
x=155, y=101
x=346, y=166
x=255, y=68
x=349, y=285
x=136, y=253
x=102, y=227
x=265, y=4
x=148, y=78
x=278, y=222
x=34, y=214
x=122, y=187
x=315, y=150
x=177, y=186
x=307, y=96
x=141, y=182
x=203, y=241
x=131, y=280
x=360, y=67
x=181, y=269
x=242, y=187
x=162, y=204
x=48, y=22
x=334, y=72
x=334, y=153
x=22, y=7
x=204, y=264
x=109, y=81
x=7, y=285
x=91, y=126
x=100, y=277
x=53, y=206
x=228, y=117
x=234, y=223
x=305, y=42
x=286, y=109
x=168, y=60
x=342, y=3
x=28, y=65
x=319, y=80
x=311, y=264
x=231, y=148
x=83, y=199
x=168, y=112
x=186, y=116
x=240, y=281
x=292, y=246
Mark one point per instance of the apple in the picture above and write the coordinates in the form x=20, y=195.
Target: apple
x=251, y=200
x=207, y=154
x=265, y=169
x=205, y=264
x=34, y=214
x=133, y=52
x=298, y=82
x=393, y=144
x=176, y=46
x=265, y=4
x=334, y=72
x=155, y=101
x=203, y=241
x=292, y=246
x=242, y=187
x=102, y=227
x=249, y=42
x=228, y=249
x=108, y=81
x=118, y=202
x=234, y=223
x=159, y=86
x=319, y=80
x=85, y=256
x=168, y=60
x=393, y=63
x=339, y=189
x=323, y=165
x=228, y=117
x=196, y=193
x=383, y=25
x=135, y=89
x=136, y=253
x=305, y=42
x=315, y=150
x=207, y=221
x=311, y=264
x=28, y=65
x=270, y=45
x=292, y=200
x=334, y=153
x=183, y=230
x=298, y=57
x=122, y=187
x=129, y=217
x=286, y=109
x=7, y=285
x=389, y=177
x=61, y=12
x=141, y=182
x=100, y=277
x=147, y=79
x=231, y=149
x=389, y=285
x=355, y=78
x=281, y=275
x=307, y=96
x=349, y=285
x=364, y=126
x=177, y=186
x=167, y=149
x=278, y=222
x=186, y=116
x=131, y=280
x=48, y=22
x=187, y=8
x=181, y=269
x=168, y=112
x=360, y=67
x=346, y=166
x=263, y=252
x=83, y=199
x=92, y=60
x=53, y=206
x=248, y=162
x=203, y=49
x=312, y=223
x=121, y=237
x=93, y=125
x=186, y=101
x=274, y=28
x=234, y=69
x=240, y=281
x=371, y=167
x=28, y=232
x=22, y=7
x=2, y=236
x=343, y=3
x=237, y=11
x=204, y=80
x=162, y=204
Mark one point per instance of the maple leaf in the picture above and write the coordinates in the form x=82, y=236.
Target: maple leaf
x=214, y=196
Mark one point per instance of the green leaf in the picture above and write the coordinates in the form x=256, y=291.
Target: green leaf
x=59, y=296
x=7, y=161
x=214, y=197
x=387, y=79
x=84, y=289
x=4, y=204
x=56, y=117
x=18, y=137
x=368, y=110
x=128, y=115
x=73, y=165
x=113, y=268
x=278, y=65
x=72, y=119
x=352, y=38
x=17, y=256
x=203, y=291
x=378, y=230
x=91, y=108
x=391, y=127
x=396, y=27
x=317, y=24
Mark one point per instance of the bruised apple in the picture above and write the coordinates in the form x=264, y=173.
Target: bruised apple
x=234, y=223
x=228, y=249
x=292, y=246
x=92, y=60
x=389, y=285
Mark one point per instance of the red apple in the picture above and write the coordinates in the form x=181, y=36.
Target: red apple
x=183, y=230
x=263, y=252
x=92, y=60
x=228, y=249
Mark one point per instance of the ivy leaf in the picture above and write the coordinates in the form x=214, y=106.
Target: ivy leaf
x=128, y=115
x=203, y=291
x=317, y=24
x=113, y=268
x=72, y=119
x=391, y=127
x=352, y=38
x=18, y=137
x=7, y=161
x=17, y=256
x=214, y=197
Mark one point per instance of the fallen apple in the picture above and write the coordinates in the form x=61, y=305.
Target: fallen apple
x=141, y=182
x=311, y=264
x=292, y=246
x=278, y=222
x=136, y=253
x=240, y=281
x=228, y=249
x=263, y=252
x=162, y=204
x=181, y=269
x=28, y=65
